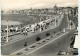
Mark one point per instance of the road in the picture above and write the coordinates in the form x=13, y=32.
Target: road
x=61, y=26
x=47, y=42
x=30, y=39
x=53, y=48
x=15, y=36
x=62, y=43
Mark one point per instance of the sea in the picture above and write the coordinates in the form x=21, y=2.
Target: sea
x=19, y=19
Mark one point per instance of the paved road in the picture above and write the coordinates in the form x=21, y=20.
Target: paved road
x=16, y=37
x=54, y=47
x=14, y=47
x=62, y=25
x=44, y=42
x=62, y=43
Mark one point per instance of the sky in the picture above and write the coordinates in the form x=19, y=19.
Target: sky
x=26, y=4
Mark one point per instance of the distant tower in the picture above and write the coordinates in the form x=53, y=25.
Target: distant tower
x=55, y=9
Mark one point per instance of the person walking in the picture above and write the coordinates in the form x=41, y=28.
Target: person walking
x=72, y=41
x=26, y=32
x=25, y=44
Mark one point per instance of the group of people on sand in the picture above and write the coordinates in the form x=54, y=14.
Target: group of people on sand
x=31, y=27
x=12, y=29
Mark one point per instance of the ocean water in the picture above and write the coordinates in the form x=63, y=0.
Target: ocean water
x=17, y=20
x=4, y=23
x=10, y=22
x=22, y=18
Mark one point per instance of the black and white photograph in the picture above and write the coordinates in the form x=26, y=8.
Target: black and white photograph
x=39, y=27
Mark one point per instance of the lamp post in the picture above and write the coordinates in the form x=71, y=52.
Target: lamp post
x=55, y=21
x=70, y=24
x=68, y=21
x=7, y=32
x=40, y=24
x=63, y=29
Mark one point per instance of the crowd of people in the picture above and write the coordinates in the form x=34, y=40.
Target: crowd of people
x=31, y=27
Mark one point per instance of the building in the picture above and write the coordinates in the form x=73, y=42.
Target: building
x=55, y=9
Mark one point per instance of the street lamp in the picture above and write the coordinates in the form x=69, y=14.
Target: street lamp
x=40, y=24
x=68, y=21
x=55, y=21
x=51, y=20
x=34, y=19
x=70, y=24
x=7, y=32
x=63, y=29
